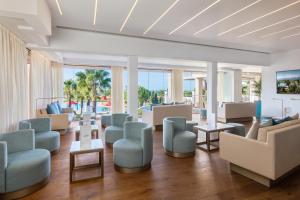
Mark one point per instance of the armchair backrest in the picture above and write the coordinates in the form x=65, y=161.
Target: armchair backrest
x=133, y=130
x=118, y=119
x=19, y=141
x=179, y=123
x=38, y=124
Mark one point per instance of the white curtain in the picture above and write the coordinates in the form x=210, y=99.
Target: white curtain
x=176, y=85
x=13, y=81
x=40, y=82
x=117, y=94
x=57, y=80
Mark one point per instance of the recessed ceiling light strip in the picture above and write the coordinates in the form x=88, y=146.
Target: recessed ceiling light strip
x=129, y=14
x=289, y=36
x=194, y=17
x=223, y=19
x=258, y=18
x=160, y=17
x=58, y=6
x=284, y=30
x=265, y=27
x=95, y=12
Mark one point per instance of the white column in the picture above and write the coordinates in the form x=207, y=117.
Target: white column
x=212, y=86
x=132, y=104
x=237, y=85
x=117, y=94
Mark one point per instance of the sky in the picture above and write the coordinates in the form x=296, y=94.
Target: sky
x=150, y=80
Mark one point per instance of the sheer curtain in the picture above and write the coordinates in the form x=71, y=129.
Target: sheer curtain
x=40, y=81
x=57, y=80
x=117, y=95
x=13, y=81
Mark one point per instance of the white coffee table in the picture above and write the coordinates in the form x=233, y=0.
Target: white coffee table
x=210, y=145
x=95, y=146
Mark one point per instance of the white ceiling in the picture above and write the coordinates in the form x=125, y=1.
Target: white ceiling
x=260, y=18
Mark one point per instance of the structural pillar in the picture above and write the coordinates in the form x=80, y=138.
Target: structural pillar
x=117, y=94
x=212, y=87
x=132, y=101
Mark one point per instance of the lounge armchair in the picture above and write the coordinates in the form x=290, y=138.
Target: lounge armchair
x=23, y=169
x=115, y=131
x=44, y=137
x=177, y=140
x=134, y=152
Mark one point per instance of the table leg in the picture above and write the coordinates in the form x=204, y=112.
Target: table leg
x=101, y=163
x=208, y=141
x=71, y=167
x=97, y=134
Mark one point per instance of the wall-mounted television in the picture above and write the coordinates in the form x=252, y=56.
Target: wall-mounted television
x=288, y=82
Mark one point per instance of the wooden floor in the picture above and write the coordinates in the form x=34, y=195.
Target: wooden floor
x=205, y=176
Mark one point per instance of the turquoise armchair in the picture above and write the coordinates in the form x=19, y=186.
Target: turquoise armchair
x=134, y=152
x=114, y=132
x=44, y=137
x=178, y=140
x=23, y=169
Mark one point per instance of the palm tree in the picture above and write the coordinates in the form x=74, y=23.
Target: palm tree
x=82, y=88
x=69, y=89
x=257, y=88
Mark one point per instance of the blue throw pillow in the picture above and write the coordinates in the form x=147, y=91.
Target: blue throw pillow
x=55, y=108
x=49, y=109
x=59, y=107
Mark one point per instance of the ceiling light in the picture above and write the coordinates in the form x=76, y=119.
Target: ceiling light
x=274, y=33
x=95, y=11
x=293, y=35
x=130, y=12
x=195, y=16
x=223, y=19
x=27, y=28
x=258, y=18
x=58, y=6
x=160, y=17
x=280, y=22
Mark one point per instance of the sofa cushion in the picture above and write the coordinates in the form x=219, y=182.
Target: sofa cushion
x=296, y=116
x=253, y=131
x=27, y=168
x=48, y=140
x=59, y=107
x=184, y=142
x=279, y=121
x=262, y=132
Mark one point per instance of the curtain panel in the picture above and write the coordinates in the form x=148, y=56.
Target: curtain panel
x=117, y=95
x=14, y=87
x=57, y=80
x=176, y=85
x=40, y=82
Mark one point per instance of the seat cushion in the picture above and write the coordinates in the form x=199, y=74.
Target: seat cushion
x=113, y=133
x=27, y=168
x=48, y=140
x=184, y=142
x=128, y=153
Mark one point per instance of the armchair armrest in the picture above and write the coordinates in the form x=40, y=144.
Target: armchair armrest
x=22, y=140
x=147, y=144
x=3, y=165
x=168, y=134
x=250, y=154
x=67, y=110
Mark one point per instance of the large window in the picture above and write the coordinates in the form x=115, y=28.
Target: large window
x=153, y=86
x=86, y=89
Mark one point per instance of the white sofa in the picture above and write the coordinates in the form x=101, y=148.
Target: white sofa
x=268, y=159
x=158, y=113
x=236, y=112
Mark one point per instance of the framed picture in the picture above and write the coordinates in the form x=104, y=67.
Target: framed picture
x=288, y=82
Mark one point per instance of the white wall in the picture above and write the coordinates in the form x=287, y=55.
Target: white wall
x=279, y=62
